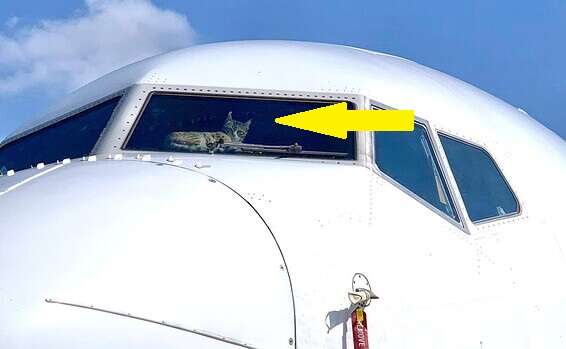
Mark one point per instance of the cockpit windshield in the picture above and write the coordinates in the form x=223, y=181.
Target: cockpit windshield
x=232, y=125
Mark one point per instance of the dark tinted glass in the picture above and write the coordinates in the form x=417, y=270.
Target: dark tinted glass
x=484, y=190
x=71, y=138
x=200, y=124
x=408, y=158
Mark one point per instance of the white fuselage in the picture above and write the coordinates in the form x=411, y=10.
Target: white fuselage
x=260, y=251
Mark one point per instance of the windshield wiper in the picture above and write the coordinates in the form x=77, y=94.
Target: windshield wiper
x=284, y=150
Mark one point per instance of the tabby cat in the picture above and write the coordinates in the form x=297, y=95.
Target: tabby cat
x=233, y=131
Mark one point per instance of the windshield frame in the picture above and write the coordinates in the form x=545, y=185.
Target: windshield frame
x=496, y=163
x=452, y=191
x=52, y=117
x=357, y=101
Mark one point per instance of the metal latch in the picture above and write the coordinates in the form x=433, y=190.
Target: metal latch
x=360, y=297
x=361, y=294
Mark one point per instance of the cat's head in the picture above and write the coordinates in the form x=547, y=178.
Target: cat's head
x=236, y=130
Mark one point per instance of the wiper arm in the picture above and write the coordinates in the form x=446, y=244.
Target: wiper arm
x=293, y=149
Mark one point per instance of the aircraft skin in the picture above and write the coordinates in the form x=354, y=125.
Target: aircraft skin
x=260, y=251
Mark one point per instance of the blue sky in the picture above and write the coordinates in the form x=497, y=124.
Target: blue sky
x=514, y=50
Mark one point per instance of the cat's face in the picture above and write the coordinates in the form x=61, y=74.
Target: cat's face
x=236, y=130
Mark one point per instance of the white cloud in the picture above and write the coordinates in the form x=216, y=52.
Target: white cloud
x=12, y=22
x=70, y=52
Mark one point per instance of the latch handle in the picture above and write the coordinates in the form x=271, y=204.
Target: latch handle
x=361, y=294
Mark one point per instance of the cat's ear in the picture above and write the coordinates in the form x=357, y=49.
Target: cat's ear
x=229, y=117
x=248, y=123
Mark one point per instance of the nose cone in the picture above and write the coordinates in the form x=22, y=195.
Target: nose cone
x=152, y=240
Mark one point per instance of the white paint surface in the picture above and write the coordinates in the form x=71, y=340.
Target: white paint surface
x=156, y=238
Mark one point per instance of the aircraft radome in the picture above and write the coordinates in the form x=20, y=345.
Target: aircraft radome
x=161, y=206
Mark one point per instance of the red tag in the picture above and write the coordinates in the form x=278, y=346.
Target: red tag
x=360, y=329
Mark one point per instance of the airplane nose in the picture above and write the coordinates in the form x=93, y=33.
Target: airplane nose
x=146, y=239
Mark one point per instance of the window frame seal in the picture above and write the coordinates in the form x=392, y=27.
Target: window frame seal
x=74, y=112
x=498, y=168
x=359, y=102
x=442, y=167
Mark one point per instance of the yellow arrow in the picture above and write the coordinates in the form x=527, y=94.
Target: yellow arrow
x=336, y=120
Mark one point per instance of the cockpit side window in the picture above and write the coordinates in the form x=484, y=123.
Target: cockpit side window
x=72, y=137
x=485, y=192
x=232, y=126
x=408, y=158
